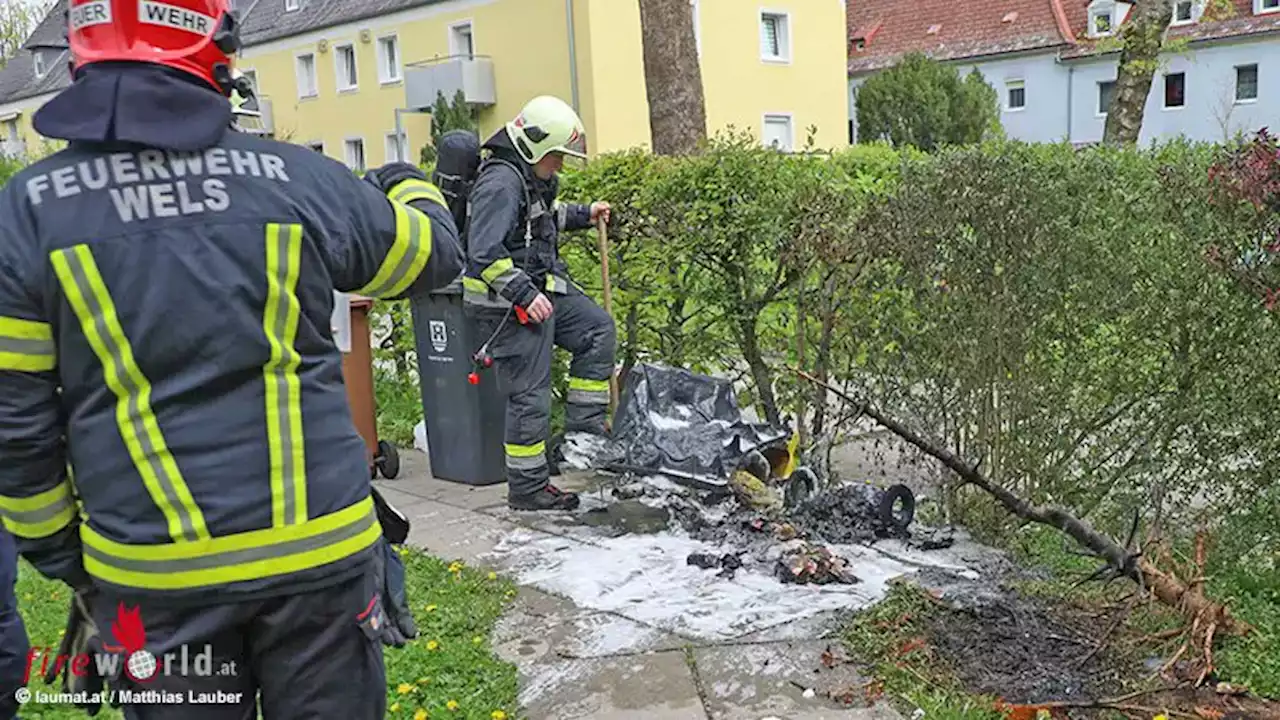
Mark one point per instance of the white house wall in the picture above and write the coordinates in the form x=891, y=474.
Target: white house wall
x=1062, y=97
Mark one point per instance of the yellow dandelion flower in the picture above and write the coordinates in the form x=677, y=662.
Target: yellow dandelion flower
x=430, y=608
x=493, y=576
x=420, y=715
x=498, y=715
x=455, y=567
x=477, y=640
x=452, y=705
x=433, y=645
x=1161, y=717
x=404, y=688
x=395, y=707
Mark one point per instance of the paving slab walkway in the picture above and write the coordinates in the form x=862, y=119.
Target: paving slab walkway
x=578, y=663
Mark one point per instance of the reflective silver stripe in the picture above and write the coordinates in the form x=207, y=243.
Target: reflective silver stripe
x=587, y=397
x=562, y=215
x=149, y=451
x=237, y=557
x=557, y=285
x=476, y=292
x=35, y=517
x=503, y=279
x=23, y=346
x=527, y=463
x=407, y=260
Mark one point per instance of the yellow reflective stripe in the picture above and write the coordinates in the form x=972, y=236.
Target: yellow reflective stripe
x=494, y=272
x=526, y=451
x=87, y=293
x=39, y=515
x=474, y=285
x=557, y=285
x=26, y=345
x=283, y=390
x=251, y=555
x=588, y=385
x=408, y=255
x=411, y=190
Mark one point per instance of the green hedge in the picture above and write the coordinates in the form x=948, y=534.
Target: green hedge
x=1044, y=308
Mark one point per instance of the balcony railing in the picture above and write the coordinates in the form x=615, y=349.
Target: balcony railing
x=471, y=74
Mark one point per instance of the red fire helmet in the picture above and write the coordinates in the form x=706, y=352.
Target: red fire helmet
x=194, y=36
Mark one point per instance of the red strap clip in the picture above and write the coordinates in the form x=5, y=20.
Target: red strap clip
x=522, y=315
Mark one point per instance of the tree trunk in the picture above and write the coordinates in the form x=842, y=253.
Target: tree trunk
x=1143, y=36
x=749, y=345
x=673, y=77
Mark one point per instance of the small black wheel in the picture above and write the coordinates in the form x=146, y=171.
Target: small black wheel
x=896, y=508
x=373, y=471
x=388, y=460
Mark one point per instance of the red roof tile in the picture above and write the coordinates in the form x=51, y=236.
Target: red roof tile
x=889, y=29
x=882, y=31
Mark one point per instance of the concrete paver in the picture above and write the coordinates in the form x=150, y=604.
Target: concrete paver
x=540, y=627
x=749, y=682
x=657, y=686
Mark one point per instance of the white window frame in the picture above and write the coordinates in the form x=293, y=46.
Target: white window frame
x=383, y=77
x=346, y=153
x=404, y=144
x=315, y=75
x=339, y=68
x=37, y=63
x=1164, y=90
x=454, y=49
x=1259, y=8
x=1098, y=97
x=791, y=128
x=784, y=36
x=1009, y=86
x=11, y=129
x=292, y=5
x=696, y=9
x=1097, y=9
x=1257, y=83
x=1194, y=6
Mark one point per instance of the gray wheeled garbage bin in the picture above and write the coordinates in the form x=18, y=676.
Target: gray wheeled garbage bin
x=465, y=422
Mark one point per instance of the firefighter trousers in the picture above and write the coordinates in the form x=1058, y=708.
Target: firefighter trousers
x=13, y=634
x=309, y=655
x=522, y=358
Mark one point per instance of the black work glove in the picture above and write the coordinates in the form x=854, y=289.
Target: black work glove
x=399, y=627
x=392, y=174
x=80, y=639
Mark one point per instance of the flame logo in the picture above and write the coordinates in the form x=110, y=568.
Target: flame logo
x=129, y=631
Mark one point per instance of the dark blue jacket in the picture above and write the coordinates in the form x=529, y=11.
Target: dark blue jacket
x=165, y=334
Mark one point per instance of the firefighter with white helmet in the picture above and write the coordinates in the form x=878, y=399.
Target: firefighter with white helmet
x=176, y=444
x=514, y=267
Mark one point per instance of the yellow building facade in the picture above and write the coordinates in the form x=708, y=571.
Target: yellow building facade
x=775, y=70
x=357, y=90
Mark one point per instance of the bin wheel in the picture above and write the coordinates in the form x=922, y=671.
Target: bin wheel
x=897, y=508
x=388, y=460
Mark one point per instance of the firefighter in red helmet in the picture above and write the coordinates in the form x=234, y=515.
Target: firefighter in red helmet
x=175, y=439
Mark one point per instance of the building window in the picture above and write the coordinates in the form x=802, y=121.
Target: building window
x=388, y=59
x=1246, y=83
x=37, y=60
x=252, y=77
x=1105, y=92
x=396, y=148
x=355, y=154
x=461, y=40
x=1102, y=18
x=307, y=86
x=291, y=5
x=9, y=130
x=1175, y=90
x=317, y=146
x=777, y=132
x=775, y=37
x=1266, y=6
x=1183, y=12
x=1015, y=95
x=345, y=71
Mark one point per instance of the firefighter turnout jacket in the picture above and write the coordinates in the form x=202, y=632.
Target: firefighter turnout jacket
x=513, y=231
x=173, y=418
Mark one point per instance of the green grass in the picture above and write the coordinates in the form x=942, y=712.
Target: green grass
x=450, y=662
x=891, y=637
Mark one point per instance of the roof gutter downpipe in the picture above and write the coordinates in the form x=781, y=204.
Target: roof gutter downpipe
x=573, y=56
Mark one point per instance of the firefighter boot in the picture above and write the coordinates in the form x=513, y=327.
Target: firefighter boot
x=548, y=498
